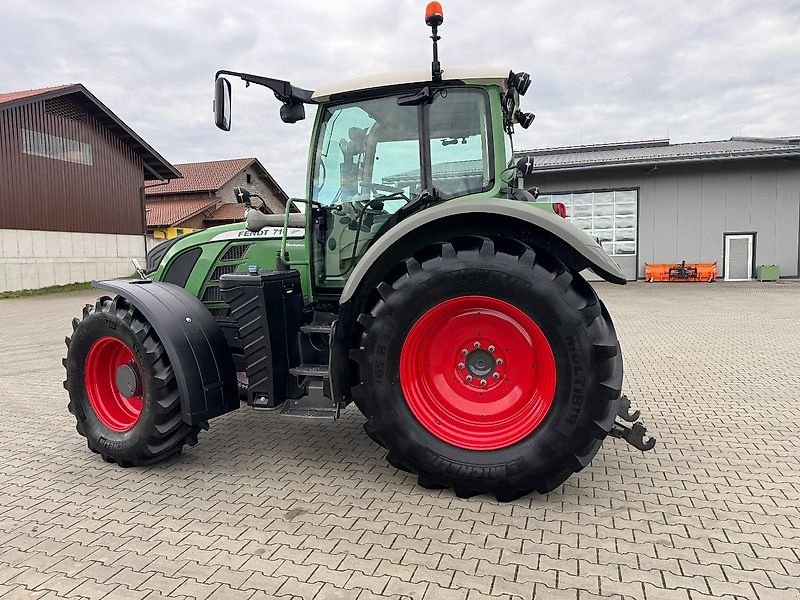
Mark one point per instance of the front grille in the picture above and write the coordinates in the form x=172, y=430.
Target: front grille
x=235, y=252
x=222, y=270
x=212, y=294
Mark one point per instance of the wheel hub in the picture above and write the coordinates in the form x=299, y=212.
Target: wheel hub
x=480, y=363
x=127, y=380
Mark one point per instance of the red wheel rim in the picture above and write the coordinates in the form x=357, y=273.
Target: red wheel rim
x=113, y=384
x=478, y=373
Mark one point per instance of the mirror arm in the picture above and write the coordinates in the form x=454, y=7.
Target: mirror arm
x=283, y=90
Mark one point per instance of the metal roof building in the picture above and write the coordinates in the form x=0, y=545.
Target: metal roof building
x=72, y=175
x=732, y=202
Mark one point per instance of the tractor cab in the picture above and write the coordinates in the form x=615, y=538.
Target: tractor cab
x=382, y=153
x=387, y=146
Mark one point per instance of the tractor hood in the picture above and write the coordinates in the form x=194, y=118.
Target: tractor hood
x=196, y=261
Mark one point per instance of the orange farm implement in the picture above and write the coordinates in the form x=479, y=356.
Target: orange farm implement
x=683, y=272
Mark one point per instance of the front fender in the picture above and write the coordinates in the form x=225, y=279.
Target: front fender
x=195, y=345
x=578, y=250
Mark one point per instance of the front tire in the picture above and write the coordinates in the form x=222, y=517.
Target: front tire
x=486, y=366
x=122, y=390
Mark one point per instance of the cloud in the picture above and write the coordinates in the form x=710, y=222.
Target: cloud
x=603, y=71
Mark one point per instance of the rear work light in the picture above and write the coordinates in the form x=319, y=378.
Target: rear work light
x=560, y=209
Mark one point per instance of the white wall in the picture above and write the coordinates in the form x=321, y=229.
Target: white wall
x=35, y=259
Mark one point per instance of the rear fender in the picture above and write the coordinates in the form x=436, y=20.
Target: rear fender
x=568, y=243
x=535, y=226
x=195, y=345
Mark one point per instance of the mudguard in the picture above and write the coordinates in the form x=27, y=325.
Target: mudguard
x=194, y=342
x=581, y=250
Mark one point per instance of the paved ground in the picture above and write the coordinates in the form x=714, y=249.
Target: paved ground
x=267, y=507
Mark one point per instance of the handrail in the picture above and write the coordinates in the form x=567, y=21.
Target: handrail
x=283, y=254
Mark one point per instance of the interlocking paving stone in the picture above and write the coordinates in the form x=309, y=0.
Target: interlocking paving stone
x=266, y=507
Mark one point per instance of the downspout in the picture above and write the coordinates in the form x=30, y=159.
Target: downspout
x=143, y=202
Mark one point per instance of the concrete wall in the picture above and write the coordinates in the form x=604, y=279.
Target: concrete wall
x=684, y=210
x=35, y=259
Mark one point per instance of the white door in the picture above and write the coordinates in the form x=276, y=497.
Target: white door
x=738, y=257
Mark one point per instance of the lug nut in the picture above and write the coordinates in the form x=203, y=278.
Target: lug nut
x=476, y=345
x=468, y=378
x=460, y=365
x=496, y=375
x=483, y=382
x=464, y=351
x=491, y=348
x=499, y=361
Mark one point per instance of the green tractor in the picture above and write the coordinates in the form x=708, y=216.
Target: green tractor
x=418, y=281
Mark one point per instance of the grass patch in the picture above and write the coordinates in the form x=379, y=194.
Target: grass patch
x=50, y=289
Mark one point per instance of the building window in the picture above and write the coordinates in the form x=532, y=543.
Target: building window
x=249, y=178
x=608, y=215
x=179, y=232
x=58, y=148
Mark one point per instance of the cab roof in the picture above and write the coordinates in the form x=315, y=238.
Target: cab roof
x=473, y=75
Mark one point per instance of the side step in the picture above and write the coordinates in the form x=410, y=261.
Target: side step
x=312, y=376
x=314, y=405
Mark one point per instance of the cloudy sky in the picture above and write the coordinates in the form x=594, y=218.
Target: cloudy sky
x=603, y=70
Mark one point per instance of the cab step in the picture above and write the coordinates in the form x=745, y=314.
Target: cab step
x=308, y=370
x=314, y=405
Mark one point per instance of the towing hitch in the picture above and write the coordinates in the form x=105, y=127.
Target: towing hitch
x=634, y=434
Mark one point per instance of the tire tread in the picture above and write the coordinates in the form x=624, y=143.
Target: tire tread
x=605, y=358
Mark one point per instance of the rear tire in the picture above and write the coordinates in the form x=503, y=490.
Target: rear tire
x=114, y=348
x=554, y=398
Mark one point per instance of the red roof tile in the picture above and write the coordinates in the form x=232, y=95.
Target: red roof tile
x=202, y=176
x=11, y=96
x=229, y=211
x=167, y=213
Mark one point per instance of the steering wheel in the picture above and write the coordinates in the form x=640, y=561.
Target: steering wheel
x=381, y=187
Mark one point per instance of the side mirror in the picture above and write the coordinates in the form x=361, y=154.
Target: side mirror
x=222, y=103
x=292, y=112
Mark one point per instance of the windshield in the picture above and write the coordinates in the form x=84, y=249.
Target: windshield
x=371, y=148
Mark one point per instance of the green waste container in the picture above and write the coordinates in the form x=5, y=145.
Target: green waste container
x=768, y=273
